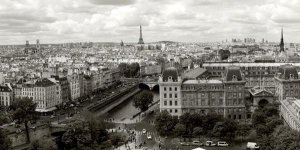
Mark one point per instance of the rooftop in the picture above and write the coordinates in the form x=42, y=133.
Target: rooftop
x=213, y=81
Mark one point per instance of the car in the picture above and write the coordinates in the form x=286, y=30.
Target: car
x=144, y=131
x=33, y=127
x=197, y=143
x=184, y=144
x=222, y=144
x=52, y=116
x=210, y=143
x=149, y=136
x=252, y=146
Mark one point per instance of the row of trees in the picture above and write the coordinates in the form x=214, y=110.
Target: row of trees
x=271, y=132
x=196, y=125
x=129, y=70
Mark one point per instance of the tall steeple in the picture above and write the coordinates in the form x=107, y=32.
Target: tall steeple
x=281, y=45
x=141, y=41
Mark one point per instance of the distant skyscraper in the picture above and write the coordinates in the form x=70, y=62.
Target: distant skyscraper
x=141, y=41
x=37, y=43
x=27, y=43
x=281, y=45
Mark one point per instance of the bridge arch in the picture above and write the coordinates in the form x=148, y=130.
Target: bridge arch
x=155, y=88
x=144, y=86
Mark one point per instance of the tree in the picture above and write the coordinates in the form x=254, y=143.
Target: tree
x=243, y=130
x=258, y=117
x=225, y=129
x=198, y=131
x=97, y=127
x=285, y=138
x=224, y=54
x=5, y=142
x=210, y=120
x=165, y=123
x=23, y=112
x=179, y=130
x=74, y=135
x=143, y=100
x=273, y=122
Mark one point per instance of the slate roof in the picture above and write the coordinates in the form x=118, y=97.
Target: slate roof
x=44, y=82
x=232, y=72
x=193, y=74
x=288, y=71
x=170, y=72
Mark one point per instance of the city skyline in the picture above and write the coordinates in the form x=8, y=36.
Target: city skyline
x=165, y=20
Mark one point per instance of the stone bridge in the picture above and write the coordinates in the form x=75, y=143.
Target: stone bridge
x=149, y=85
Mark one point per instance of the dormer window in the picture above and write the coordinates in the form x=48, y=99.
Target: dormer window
x=170, y=78
x=234, y=78
x=291, y=76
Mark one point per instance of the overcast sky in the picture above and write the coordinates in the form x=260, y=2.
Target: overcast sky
x=57, y=21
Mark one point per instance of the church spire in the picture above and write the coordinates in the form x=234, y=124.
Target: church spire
x=281, y=45
x=141, y=41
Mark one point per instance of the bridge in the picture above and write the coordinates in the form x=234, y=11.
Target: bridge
x=149, y=84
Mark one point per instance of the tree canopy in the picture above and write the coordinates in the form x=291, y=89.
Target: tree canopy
x=23, y=112
x=143, y=100
x=5, y=142
x=129, y=70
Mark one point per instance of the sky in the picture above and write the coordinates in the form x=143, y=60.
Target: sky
x=59, y=21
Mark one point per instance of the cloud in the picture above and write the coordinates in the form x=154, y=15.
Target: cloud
x=112, y=20
x=112, y=2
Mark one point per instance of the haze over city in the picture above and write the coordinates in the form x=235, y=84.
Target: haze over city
x=113, y=20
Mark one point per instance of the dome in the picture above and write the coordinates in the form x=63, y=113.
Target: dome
x=170, y=73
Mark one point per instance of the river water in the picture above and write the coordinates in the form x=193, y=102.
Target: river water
x=126, y=109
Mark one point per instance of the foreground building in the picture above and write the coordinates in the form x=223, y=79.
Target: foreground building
x=44, y=92
x=290, y=111
x=224, y=96
x=6, y=95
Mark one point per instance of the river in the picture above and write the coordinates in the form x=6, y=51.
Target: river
x=126, y=109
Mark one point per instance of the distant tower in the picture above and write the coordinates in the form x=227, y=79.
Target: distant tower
x=122, y=44
x=141, y=41
x=27, y=43
x=281, y=45
x=38, y=44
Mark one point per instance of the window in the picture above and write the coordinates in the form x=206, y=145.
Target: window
x=165, y=89
x=175, y=110
x=170, y=95
x=170, y=110
x=175, y=88
x=170, y=88
x=170, y=102
x=240, y=116
x=175, y=95
x=165, y=95
x=175, y=103
x=165, y=103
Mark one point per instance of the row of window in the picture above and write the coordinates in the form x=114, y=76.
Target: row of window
x=170, y=103
x=170, y=95
x=170, y=88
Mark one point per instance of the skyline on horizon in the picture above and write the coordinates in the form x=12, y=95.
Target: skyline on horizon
x=162, y=20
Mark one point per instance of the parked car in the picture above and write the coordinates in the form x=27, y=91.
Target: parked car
x=210, y=143
x=184, y=144
x=252, y=146
x=222, y=144
x=197, y=143
x=144, y=131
